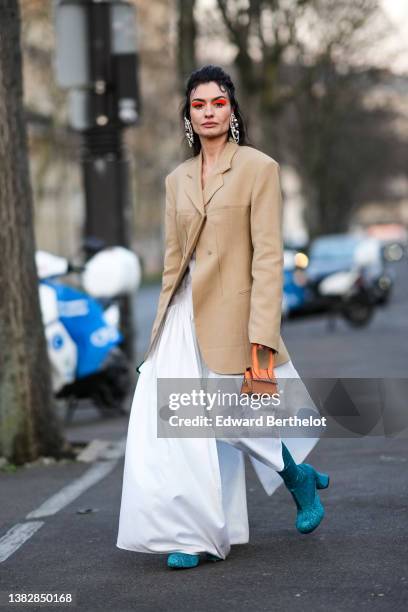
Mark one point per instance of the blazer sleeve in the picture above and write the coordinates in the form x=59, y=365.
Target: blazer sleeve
x=172, y=252
x=267, y=259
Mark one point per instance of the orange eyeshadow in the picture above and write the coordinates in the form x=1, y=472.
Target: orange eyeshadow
x=199, y=104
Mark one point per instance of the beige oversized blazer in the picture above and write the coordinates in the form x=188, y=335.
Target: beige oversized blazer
x=235, y=225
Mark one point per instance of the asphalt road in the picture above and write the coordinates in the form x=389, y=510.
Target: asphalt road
x=357, y=559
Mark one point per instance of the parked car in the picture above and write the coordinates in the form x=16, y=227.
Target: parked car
x=393, y=238
x=345, y=273
x=343, y=252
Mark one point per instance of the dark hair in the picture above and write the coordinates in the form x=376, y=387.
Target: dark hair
x=206, y=74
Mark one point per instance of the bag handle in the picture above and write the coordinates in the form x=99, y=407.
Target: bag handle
x=261, y=372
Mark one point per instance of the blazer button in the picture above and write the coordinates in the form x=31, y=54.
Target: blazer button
x=209, y=252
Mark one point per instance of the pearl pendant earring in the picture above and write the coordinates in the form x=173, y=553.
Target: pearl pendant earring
x=188, y=131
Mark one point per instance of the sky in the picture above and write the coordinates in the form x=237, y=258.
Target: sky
x=397, y=11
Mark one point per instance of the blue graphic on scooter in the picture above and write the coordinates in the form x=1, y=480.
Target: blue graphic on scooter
x=83, y=318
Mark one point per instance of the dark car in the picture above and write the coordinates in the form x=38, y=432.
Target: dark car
x=346, y=273
x=362, y=255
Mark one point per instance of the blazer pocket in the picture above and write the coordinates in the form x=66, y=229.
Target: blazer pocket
x=245, y=290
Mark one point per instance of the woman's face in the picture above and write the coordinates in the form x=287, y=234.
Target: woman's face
x=210, y=105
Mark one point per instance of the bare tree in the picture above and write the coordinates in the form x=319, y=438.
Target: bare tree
x=28, y=425
x=301, y=66
x=337, y=136
x=336, y=132
x=265, y=33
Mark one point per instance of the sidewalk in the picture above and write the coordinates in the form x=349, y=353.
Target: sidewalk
x=26, y=487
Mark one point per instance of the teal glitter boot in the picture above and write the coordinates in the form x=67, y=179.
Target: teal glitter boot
x=302, y=481
x=179, y=560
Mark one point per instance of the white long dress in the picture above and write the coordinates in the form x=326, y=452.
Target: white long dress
x=188, y=494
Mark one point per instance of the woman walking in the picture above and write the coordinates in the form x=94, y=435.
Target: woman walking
x=221, y=295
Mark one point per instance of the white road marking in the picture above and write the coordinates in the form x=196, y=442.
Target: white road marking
x=21, y=532
x=94, y=450
x=67, y=494
x=16, y=536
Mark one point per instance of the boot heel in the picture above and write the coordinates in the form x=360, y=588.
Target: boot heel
x=322, y=480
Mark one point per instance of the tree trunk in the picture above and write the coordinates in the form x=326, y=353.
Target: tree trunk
x=28, y=425
x=186, y=30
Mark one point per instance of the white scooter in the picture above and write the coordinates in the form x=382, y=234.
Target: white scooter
x=82, y=327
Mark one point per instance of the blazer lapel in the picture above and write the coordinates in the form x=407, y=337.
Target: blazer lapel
x=214, y=182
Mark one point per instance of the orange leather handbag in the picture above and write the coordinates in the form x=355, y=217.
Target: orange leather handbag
x=259, y=380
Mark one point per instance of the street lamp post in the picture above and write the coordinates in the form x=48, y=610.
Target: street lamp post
x=97, y=62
